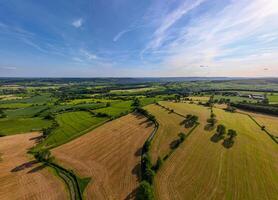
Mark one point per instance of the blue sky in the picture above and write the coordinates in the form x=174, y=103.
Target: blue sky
x=120, y=38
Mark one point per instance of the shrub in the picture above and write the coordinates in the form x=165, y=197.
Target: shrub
x=158, y=164
x=145, y=191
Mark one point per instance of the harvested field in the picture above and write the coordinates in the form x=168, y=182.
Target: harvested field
x=204, y=169
x=110, y=154
x=23, y=178
x=270, y=122
x=168, y=130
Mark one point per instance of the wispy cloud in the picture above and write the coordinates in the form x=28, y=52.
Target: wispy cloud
x=77, y=23
x=241, y=34
x=120, y=34
x=160, y=34
x=88, y=55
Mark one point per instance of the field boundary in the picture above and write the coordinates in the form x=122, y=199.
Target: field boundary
x=261, y=127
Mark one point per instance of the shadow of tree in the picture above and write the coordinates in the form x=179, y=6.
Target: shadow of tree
x=208, y=127
x=174, y=144
x=228, y=143
x=37, y=138
x=24, y=166
x=138, y=152
x=136, y=171
x=35, y=169
x=216, y=138
x=132, y=195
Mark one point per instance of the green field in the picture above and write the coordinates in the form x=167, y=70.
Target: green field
x=234, y=98
x=30, y=111
x=15, y=126
x=14, y=105
x=71, y=125
x=206, y=169
x=273, y=99
x=116, y=109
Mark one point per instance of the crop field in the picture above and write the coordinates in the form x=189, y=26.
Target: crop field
x=270, y=122
x=25, y=112
x=88, y=100
x=110, y=155
x=134, y=90
x=205, y=169
x=14, y=105
x=273, y=98
x=14, y=126
x=22, y=177
x=167, y=132
x=234, y=98
x=199, y=98
x=71, y=125
x=116, y=109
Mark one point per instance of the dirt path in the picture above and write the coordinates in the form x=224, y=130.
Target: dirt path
x=21, y=177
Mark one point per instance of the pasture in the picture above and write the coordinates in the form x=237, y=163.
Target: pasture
x=273, y=98
x=22, y=125
x=116, y=109
x=110, y=154
x=70, y=126
x=205, y=169
x=22, y=177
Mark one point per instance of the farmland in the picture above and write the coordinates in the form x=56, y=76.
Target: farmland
x=21, y=176
x=70, y=126
x=14, y=126
x=95, y=142
x=110, y=155
x=170, y=127
x=205, y=169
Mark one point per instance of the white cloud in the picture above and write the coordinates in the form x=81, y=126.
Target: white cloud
x=77, y=23
x=242, y=35
x=88, y=54
x=120, y=34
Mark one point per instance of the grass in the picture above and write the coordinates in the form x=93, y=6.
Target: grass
x=273, y=99
x=132, y=91
x=269, y=121
x=203, y=169
x=14, y=105
x=15, y=126
x=116, y=109
x=25, y=112
x=235, y=98
x=71, y=125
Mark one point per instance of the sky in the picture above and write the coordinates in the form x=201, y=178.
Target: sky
x=131, y=38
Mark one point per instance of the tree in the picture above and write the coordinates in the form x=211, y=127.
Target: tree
x=158, y=164
x=145, y=191
x=232, y=133
x=148, y=175
x=136, y=103
x=43, y=155
x=221, y=130
x=182, y=137
x=2, y=114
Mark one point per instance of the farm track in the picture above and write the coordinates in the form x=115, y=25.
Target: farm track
x=202, y=169
x=23, y=178
x=110, y=154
